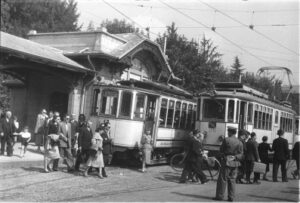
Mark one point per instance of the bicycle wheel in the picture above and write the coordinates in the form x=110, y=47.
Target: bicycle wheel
x=177, y=162
x=211, y=167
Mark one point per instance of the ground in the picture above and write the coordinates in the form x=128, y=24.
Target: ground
x=23, y=179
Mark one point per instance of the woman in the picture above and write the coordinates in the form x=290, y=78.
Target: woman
x=96, y=157
x=146, y=147
x=40, y=129
x=263, y=149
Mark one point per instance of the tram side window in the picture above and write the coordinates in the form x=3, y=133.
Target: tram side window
x=250, y=112
x=170, y=113
x=126, y=104
x=230, y=110
x=259, y=120
x=256, y=119
x=183, y=116
x=96, y=102
x=198, y=109
x=263, y=120
x=139, y=106
x=276, y=117
x=297, y=127
x=237, y=111
x=163, y=112
x=270, y=121
x=214, y=109
x=177, y=114
x=194, y=117
x=109, y=102
x=189, y=117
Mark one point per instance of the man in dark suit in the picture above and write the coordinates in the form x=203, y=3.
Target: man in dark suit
x=295, y=154
x=65, y=143
x=84, y=143
x=251, y=156
x=7, y=128
x=281, y=155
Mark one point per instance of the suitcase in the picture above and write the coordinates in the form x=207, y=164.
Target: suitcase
x=259, y=167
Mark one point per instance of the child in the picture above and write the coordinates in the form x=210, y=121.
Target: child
x=25, y=138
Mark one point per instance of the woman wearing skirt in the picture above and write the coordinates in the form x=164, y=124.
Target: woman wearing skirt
x=52, y=152
x=146, y=148
x=96, y=157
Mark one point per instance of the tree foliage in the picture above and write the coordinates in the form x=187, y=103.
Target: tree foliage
x=20, y=16
x=195, y=64
x=117, y=26
x=236, y=69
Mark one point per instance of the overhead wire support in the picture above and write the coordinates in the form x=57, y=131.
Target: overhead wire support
x=197, y=21
x=251, y=27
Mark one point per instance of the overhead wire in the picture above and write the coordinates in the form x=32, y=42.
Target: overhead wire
x=195, y=20
x=238, y=21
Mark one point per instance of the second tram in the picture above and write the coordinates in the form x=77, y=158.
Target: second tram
x=237, y=105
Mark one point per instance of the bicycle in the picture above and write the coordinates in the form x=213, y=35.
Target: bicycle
x=211, y=166
x=291, y=167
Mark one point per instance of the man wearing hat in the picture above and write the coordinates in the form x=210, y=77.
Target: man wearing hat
x=281, y=155
x=232, y=151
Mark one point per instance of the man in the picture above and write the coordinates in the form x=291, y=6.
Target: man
x=242, y=135
x=84, y=143
x=39, y=130
x=251, y=156
x=107, y=143
x=232, y=151
x=7, y=128
x=295, y=154
x=74, y=126
x=65, y=143
x=187, y=165
x=281, y=155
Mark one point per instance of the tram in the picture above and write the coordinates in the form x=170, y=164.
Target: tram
x=242, y=107
x=134, y=106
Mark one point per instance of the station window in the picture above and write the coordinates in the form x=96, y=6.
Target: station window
x=109, y=102
x=126, y=104
x=250, y=113
x=139, y=106
x=163, y=112
x=189, y=117
x=96, y=102
x=230, y=110
x=170, y=113
x=183, y=116
x=214, y=109
x=177, y=114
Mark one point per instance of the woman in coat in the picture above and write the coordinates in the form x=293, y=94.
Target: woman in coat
x=146, y=147
x=263, y=150
x=96, y=157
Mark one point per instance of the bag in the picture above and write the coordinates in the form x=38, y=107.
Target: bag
x=259, y=167
x=231, y=161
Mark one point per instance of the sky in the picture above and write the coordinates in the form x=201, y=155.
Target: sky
x=273, y=41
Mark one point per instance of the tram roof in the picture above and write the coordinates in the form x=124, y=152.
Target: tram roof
x=248, y=96
x=150, y=85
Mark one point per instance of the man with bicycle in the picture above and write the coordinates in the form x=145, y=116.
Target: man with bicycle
x=232, y=151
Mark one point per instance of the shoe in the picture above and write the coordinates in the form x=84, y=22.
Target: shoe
x=104, y=175
x=55, y=169
x=256, y=183
x=85, y=173
x=46, y=171
x=182, y=181
x=205, y=182
x=71, y=170
x=285, y=181
x=275, y=180
x=217, y=199
x=249, y=182
x=100, y=176
x=49, y=169
x=266, y=179
x=239, y=181
x=229, y=200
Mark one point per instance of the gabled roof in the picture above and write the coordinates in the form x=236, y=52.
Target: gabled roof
x=102, y=43
x=32, y=50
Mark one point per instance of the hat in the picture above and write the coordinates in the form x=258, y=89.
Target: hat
x=196, y=131
x=231, y=129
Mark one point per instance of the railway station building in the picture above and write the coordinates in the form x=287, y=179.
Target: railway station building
x=56, y=71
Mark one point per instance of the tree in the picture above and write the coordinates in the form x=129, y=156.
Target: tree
x=195, y=64
x=18, y=17
x=236, y=70
x=117, y=26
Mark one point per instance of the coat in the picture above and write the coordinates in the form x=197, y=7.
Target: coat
x=85, y=138
x=106, y=143
x=251, y=150
x=281, y=149
x=7, y=128
x=263, y=149
x=196, y=150
x=232, y=146
x=65, y=132
x=53, y=128
x=295, y=151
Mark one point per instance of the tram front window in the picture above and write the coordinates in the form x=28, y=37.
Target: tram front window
x=230, y=110
x=214, y=109
x=109, y=102
x=126, y=104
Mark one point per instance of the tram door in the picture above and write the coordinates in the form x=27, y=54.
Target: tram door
x=242, y=120
x=150, y=112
